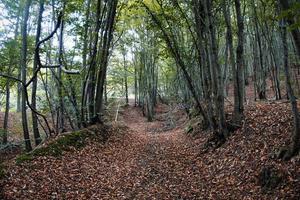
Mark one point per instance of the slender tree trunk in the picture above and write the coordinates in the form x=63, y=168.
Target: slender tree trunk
x=61, y=109
x=295, y=146
x=7, y=104
x=93, y=62
x=84, y=63
x=23, y=75
x=240, y=79
x=107, y=38
x=135, y=84
x=227, y=16
x=203, y=59
x=261, y=74
x=216, y=73
x=125, y=78
x=19, y=87
x=36, y=132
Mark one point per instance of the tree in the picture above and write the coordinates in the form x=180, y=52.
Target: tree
x=239, y=80
x=295, y=145
x=36, y=132
x=23, y=74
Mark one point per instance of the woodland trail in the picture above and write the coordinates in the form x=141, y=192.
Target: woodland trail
x=157, y=160
x=150, y=161
x=165, y=169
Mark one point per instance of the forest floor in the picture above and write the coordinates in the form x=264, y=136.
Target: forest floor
x=158, y=160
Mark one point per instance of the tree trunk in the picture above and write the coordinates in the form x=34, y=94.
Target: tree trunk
x=7, y=104
x=107, y=38
x=93, y=63
x=240, y=79
x=135, y=84
x=23, y=75
x=125, y=78
x=216, y=73
x=295, y=146
x=35, y=127
x=61, y=109
x=84, y=63
x=261, y=75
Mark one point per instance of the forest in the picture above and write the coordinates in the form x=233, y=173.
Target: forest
x=149, y=99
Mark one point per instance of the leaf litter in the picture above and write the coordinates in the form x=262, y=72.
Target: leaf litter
x=149, y=161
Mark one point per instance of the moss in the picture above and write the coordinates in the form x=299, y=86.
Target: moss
x=23, y=158
x=64, y=143
x=56, y=148
x=51, y=150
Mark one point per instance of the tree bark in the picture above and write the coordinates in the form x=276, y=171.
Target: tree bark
x=216, y=73
x=84, y=62
x=240, y=79
x=93, y=63
x=35, y=127
x=23, y=75
x=107, y=38
x=61, y=109
x=125, y=77
x=295, y=145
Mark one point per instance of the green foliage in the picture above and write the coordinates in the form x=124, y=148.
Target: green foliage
x=292, y=13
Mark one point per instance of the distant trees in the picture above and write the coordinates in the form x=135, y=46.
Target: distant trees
x=256, y=55
x=147, y=72
x=58, y=66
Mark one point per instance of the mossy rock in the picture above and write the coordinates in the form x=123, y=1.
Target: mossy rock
x=63, y=143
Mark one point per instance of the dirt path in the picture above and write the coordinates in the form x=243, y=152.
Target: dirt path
x=164, y=167
x=153, y=160
x=150, y=162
